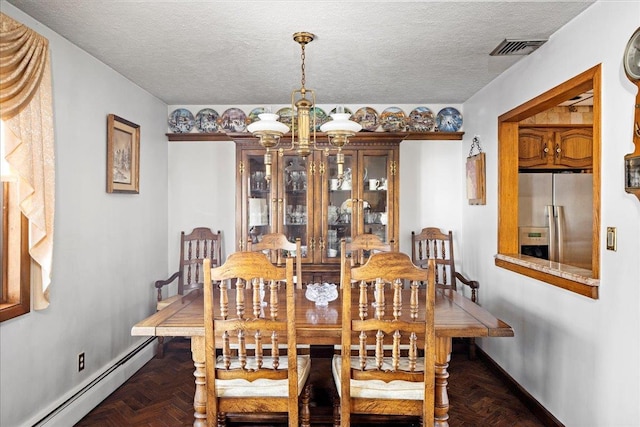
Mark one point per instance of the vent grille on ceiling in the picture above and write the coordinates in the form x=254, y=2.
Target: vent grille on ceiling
x=517, y=47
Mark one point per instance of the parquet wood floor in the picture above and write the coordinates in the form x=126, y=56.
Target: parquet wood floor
x=160, y=394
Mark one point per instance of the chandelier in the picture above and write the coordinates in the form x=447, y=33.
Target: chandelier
x=269, y=130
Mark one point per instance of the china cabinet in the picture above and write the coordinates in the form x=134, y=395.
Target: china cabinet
x=305, y=199
x=556, y=147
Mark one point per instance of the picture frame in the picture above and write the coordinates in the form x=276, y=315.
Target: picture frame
x=476, y=190
x=123, y=155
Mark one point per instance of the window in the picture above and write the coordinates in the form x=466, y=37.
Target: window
x=508, y=152
x=26, y=112
x=15, y=291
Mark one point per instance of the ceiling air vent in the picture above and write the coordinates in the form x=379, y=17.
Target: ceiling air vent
x=517, y=47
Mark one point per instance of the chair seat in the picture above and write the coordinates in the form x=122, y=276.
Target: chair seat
x=372, y=389
x=261, y=387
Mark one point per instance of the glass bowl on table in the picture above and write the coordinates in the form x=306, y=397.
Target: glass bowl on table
x=322, y=293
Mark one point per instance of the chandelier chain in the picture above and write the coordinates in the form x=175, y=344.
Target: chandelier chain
x=302, y=56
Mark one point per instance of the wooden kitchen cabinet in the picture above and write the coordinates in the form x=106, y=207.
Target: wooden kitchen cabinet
x=567, y=147
x=304, y=199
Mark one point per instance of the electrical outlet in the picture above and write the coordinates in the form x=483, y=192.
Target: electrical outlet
x=80, y=362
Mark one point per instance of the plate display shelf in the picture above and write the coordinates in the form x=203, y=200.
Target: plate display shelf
x=320, y=136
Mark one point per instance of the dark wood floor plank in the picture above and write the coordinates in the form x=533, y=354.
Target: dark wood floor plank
x=160, y=394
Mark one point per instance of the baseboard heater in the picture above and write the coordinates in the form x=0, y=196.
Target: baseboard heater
x=93, y=383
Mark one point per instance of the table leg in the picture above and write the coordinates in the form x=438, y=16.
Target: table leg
x=443, y=355
x=200, y=397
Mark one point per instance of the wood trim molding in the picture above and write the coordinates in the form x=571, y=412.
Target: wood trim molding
x=507, y=191
x=15, y=307
x=365, y=137
x=572, y=87
x=508, y=127
x=561, y=282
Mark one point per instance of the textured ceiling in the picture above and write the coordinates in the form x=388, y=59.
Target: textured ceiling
x=242, y=52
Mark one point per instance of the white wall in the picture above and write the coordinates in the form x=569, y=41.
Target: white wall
x=431, y=189
x=577, y=356
x=202, y=193
x=108, y=248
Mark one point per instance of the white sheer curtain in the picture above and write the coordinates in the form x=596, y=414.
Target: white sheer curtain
x=26, y=109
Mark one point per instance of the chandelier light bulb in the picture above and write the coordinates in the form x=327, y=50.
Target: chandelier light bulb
x=340, y=128
x=268, y=123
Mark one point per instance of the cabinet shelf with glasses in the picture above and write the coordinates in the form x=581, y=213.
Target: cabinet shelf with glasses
x=305, y=199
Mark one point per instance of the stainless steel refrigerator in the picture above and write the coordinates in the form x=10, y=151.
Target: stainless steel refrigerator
x=560, y=203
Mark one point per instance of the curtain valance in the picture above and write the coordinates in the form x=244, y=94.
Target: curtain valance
x=23, y=55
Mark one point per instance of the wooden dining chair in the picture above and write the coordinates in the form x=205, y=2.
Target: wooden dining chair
x=358, y=251
x=277, y=248
x=260, y=381
x=201, y=243
x=378, y=384
x=434, y=243
x=360, y=248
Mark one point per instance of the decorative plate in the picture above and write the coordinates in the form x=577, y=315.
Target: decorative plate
x=321, y=118
x=286, y=116
x=367, y=117
x=335, y=110
x=421, y=119
x=449, y=120
x=234, y=120
x=346, y=206
x=207, y=120
x=393, y=120
x=253, y=115
x=181, y=121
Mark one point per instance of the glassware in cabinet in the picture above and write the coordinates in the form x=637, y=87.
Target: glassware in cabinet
x=338, y=201
x=294, y=199
x=376, y=194
x=256, y=209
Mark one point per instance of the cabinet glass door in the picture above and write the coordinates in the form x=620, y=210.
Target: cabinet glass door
x=375, y=206
x=339, y=209
x=294, y=200
x=258, y=201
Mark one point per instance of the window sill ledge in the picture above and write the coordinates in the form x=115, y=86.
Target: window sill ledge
x=11, y=310
x=573, y=279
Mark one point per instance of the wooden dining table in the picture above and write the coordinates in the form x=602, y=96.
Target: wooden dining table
x=455, y=316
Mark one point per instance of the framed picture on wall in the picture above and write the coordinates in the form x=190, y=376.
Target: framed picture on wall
x=123, y=155
x=476, y=179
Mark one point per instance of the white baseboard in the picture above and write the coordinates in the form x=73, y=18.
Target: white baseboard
x=69, y=411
